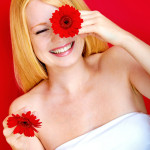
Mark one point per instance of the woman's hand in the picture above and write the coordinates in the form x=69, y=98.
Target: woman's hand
x=96, y=24
x=20, y=141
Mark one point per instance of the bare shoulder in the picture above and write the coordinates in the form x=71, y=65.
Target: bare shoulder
x=117, y=56
x=30, y=99
x=113, y=57
x=19, y=103
x=122, y=55
x=115, y=61
x=119, y=59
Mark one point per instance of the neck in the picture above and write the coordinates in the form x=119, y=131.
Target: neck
x=70, y=79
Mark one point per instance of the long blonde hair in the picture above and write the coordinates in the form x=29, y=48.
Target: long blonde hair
x=29, y=71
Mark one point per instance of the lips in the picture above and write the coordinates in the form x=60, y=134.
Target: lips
x=60, y=47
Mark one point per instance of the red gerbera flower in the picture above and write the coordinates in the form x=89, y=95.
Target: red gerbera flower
x=25, y=123
x=66, y=21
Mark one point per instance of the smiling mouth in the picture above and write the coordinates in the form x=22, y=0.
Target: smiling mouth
x=63, y=49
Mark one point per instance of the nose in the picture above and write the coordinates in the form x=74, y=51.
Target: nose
x=55, y=37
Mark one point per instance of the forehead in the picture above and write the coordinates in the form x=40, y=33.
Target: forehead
x=37, y=11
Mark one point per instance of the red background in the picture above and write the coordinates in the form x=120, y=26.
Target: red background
x=132, y=16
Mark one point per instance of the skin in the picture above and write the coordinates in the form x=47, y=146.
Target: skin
x=95, y=88
x=46, y=42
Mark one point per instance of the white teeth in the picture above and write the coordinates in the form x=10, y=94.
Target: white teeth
x=60, y=50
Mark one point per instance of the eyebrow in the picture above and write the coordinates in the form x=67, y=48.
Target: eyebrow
x=42, y=23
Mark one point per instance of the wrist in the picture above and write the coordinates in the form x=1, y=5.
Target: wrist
x=126, y=39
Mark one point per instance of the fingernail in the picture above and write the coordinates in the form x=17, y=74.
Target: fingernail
x=35, y=113
x=26, y=109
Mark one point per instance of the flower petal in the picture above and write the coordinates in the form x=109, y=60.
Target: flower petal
x=24, y=124
x=66, y=19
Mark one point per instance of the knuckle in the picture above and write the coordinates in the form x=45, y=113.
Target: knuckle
x=7, y=132
x=3, y=123
x=4, y=132
x=96, y=11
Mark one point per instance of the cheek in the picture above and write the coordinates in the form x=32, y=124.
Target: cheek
x=37, y=50
x=80, y=43
x=40, y=44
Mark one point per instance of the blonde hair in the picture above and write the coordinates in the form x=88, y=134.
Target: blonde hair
x=29, y=71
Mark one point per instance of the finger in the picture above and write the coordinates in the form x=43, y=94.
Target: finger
x=22, y=110
x=8, y=131
x=87, y=29
x=86, y=12
x=14, y=141
x=89, y=22
x=15, y=136
x=90, y=16
x=90, y=30
x=5, y=121
x=12, y=138
x=83, y=35
x=22, y=142
x=35, y=113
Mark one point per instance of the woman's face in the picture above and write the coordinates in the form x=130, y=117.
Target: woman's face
x=37, y=15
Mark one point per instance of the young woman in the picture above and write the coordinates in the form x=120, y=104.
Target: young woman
x=87, y=98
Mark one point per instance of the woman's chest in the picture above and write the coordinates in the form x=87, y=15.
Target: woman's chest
x=103, y=100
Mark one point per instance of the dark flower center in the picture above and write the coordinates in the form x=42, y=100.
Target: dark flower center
x=66, y=22
x=25, y=123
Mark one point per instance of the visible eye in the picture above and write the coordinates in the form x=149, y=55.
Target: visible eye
x=41, y=31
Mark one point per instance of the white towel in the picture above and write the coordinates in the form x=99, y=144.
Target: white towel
x=128, y=132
